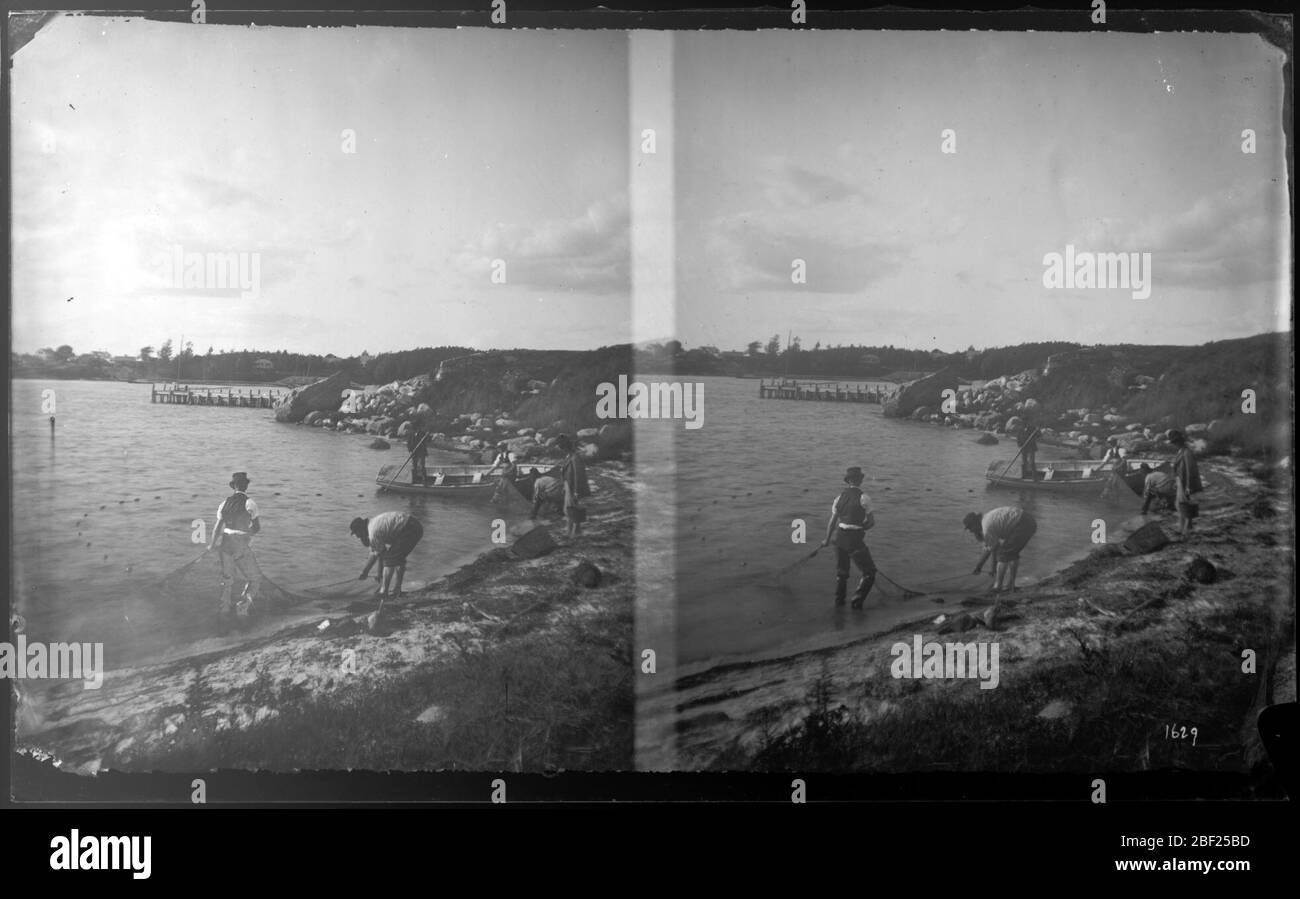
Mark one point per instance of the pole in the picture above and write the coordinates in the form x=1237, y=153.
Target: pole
x=1016, y=456
x=393, y=479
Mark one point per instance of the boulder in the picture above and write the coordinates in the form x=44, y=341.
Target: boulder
x=507, y=423
x=927, y=391
x=922, y=413
x=986, y=439
x=588, y=433
x=1196, y=430
x=324, y=395
x=959, y=622
x=537, y=542
x=1201, y=570
x=379, y=443
x=586, y=575
x=313, y=419
x=1146, y=539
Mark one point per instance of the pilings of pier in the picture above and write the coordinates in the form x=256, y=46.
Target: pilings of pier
x=200, y=396
x=819, y=392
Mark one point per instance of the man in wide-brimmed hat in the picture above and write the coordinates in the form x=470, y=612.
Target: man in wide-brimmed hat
x=237, y=523
x=851, y=518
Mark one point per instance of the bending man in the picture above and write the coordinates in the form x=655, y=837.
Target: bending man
x=1005, y=531
x=390, y=536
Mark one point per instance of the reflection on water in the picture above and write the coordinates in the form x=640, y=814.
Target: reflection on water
x=101, y=513
x=759, y=466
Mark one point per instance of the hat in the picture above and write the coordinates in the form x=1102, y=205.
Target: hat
x=358, y=526
x=853, y=474
x=1176, y=437
x=1112, y=440
x=239, y=477
x=972, y=521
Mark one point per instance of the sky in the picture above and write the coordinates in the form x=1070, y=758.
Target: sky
x=827, y=147
x=134, y=138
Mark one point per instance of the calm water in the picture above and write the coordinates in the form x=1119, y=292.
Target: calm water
x=756, y=465
x=100, y=514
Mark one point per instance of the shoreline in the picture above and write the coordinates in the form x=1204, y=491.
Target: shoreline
x=234, y=706
x=780, y=713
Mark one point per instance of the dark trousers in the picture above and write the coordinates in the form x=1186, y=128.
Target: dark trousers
x=851, y=547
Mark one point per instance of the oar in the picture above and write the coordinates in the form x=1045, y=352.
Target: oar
x=1016, y=456
x=393, y=479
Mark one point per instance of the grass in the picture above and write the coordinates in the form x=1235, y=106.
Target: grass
x=1122, y=692
x=559, y=698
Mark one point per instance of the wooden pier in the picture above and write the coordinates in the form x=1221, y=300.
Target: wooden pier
x=787, y=389
x=185, y=395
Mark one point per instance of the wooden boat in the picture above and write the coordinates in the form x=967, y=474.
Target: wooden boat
x=442, y=480
x=1072, y=475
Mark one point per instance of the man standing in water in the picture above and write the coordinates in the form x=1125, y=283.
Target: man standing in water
x=851, y=518
x=573, y=475
x=1005, y=532
x=237, y=523
x=390, y=536
x=417, y=443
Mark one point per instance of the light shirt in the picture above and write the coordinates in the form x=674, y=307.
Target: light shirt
x=249, y=505
x=866, y=507
x=999, y=523
x=1158, y=482
x=384, y=530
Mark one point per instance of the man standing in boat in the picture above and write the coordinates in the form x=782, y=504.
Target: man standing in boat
x=1004, y=532
x=390, y=536
x=1028, y=441
x=851, y=518
x=417, y=442
x=237, y=523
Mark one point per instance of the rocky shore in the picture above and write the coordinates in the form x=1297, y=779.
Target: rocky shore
x=1094, y=662
x=518, y=661
x=999, y=406
x=390, y=411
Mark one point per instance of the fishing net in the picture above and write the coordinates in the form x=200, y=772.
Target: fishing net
x=200, y=582
x=801, y=570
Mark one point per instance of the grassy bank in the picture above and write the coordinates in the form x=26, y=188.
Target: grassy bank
x=1094, y=663
x=508, y=664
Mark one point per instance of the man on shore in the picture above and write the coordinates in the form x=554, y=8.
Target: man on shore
x=237, y=523
x=851, y=518
x=573, y=475
x=1005, y=531
x=390, y=536
x=1187, y=483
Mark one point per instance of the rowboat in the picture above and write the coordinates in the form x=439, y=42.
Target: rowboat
x=1072, y=475
x=442, y=480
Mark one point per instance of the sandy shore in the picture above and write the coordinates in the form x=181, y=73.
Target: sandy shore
x=253, y=705
x=1094, y=661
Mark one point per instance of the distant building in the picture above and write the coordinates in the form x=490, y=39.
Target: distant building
x=870, y=359
x=264, y=366
x=124, y=360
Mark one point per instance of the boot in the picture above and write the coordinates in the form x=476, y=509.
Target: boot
x=864, y=587
x=841, y=588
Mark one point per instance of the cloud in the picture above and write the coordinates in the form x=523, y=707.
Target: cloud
x=1229, y=238
x=802, y=215
x=588, y=253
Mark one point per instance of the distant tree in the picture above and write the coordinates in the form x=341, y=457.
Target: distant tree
x=146, y=354
x=774, y=345
x=817, y=346
x=794, y=345
x=165, y=351
x=64, y=353
x=753, y=348
x=673, y=347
